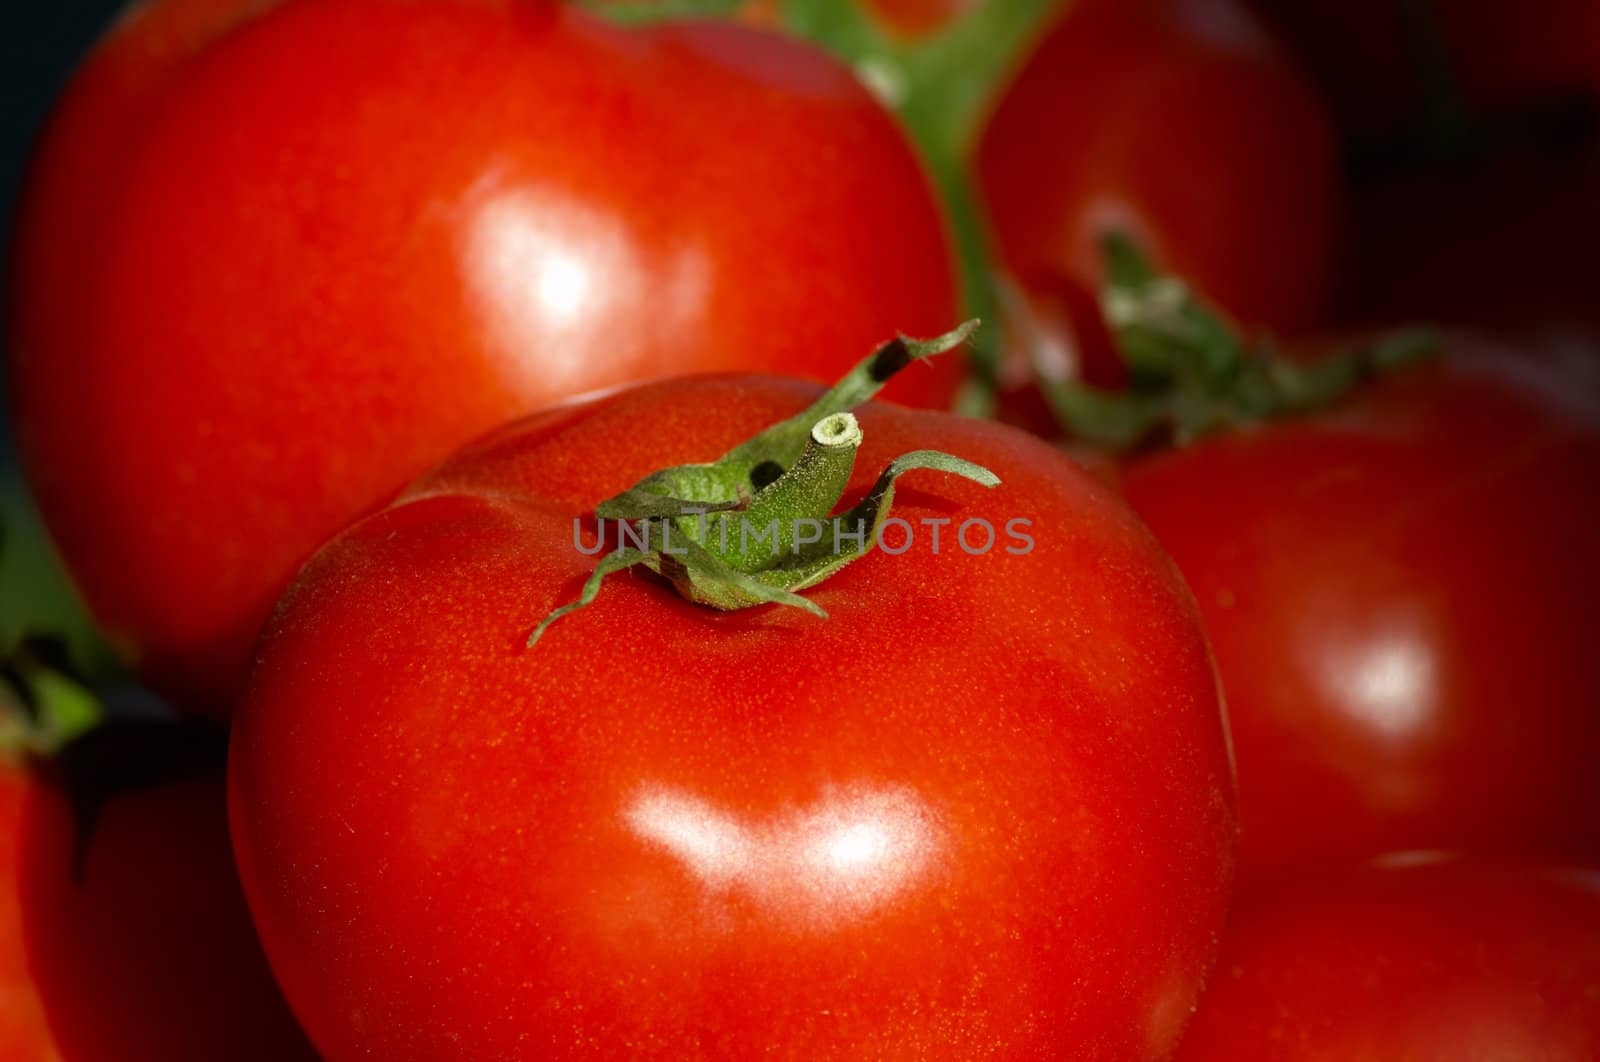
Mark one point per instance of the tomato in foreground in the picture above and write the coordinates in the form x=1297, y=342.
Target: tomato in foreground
x=983, y=808
x=1179, y=123
x=137, y=945
x=1400, y=595
x=1439, y=961
x=275, y=260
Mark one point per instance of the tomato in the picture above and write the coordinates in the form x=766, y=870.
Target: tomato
x=1180, y=123
x=1399, y=593
x=1440, y=961
x=346, y=237
x=23, y=1027
x=137, y=945
x=982, y=809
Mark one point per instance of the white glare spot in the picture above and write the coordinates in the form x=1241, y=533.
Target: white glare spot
x=564, y=284
x=838, y=860
x=545, y=272
x=855, y=847
x=1388, y=685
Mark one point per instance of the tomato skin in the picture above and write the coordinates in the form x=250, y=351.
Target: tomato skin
x=1399, y=593
x=1180, y=122
x=346, y=237
x=151, y=955
x=458, y=849
x=1428, y=962
x=24, y=1031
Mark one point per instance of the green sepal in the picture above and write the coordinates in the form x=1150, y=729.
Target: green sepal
x=44, y=702
x=615, y=561
x=861, y=524
x=700, y=576
x=1190, y=372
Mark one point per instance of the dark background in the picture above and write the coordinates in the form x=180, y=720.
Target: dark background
x=43, y=41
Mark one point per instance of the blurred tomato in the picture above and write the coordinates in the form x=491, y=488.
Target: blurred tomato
x=1181, y=123
x=277, y=259
x=1400, y=594
x=1444, y=961
x=130, y=940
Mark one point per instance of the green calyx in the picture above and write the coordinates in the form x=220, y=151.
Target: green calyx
x=1190, y=372
x=757, y=525
x=44, y=701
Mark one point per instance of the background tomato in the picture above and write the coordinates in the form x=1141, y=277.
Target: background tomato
x=132, y=942
x=1426, y=962
x=984, y=808
x=24, y=1030
x=1180, y=122
x=346, y=237
x=1400, y=594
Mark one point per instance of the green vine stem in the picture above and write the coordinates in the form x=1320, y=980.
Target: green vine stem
x=942, y=87
x=757, y=525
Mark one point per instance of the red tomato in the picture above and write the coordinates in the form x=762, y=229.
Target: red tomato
x=1400, y=594
x=1179, y=122
x=146, y=950
x=1422, y=962
x=276, y=260
x=982, y=810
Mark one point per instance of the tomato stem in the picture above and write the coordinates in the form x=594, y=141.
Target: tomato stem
x=757, y=525
x=942, y=87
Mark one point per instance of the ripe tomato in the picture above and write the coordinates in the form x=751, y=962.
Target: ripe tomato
x=984, y=809
x=343, y=238
x=136, y=946
x=1179, y=122
x=1399, y=593
x=1443, y=961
